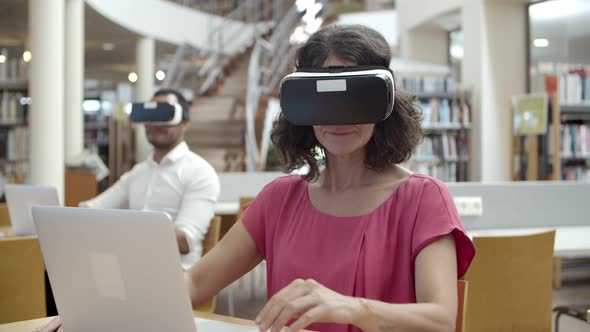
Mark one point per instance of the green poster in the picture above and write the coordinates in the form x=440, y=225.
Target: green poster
x=530, y=114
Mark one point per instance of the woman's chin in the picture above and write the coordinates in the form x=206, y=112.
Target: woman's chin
x=341, y=150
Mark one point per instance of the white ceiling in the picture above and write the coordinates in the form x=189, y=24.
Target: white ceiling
x=566, y=25
x=99, y=64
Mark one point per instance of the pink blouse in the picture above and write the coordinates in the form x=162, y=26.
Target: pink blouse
x=370, y=256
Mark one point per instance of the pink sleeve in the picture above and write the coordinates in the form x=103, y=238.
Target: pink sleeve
x=437, y=216
x=255, y=217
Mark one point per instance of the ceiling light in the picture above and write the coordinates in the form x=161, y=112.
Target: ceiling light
x=27, y=56
x=91, y=105
x=541, y=42
x=2, y=58
x=132, y=77
x=160, y=75
x=457, y=52
x=108, y=46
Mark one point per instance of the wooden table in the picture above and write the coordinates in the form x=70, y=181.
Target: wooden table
x=30, y=325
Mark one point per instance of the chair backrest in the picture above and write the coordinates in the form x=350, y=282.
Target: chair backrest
x=461, y=305
x=211, y=239
x=79, y=186
x=4, y=215
x=510, y=284
x=22, y=280
x=212, y=236
x=244, y=201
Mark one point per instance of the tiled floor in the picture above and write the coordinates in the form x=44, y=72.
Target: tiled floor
x=577, y=292
x=248, y=303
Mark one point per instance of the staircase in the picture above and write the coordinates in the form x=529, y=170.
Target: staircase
x=231, y=88
x=216, y=131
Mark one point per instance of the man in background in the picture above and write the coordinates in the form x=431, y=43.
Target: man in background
x=173, y=180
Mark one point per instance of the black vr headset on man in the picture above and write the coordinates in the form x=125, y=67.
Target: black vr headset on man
x=338, y=95
x=156, y=113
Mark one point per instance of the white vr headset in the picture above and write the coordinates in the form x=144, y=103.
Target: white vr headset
x=338, y=95
x=156, y=113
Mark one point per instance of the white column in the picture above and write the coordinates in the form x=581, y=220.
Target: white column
x=429, y=46
x=74, y=84
x=471, y=73
x=419, y=40
x=144, y=89
x=495, y=66
x=46, y=84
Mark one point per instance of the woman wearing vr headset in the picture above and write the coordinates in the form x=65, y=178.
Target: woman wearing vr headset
x=363, y=244
x=358, y=243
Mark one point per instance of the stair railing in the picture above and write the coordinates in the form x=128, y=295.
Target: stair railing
x=268, y=64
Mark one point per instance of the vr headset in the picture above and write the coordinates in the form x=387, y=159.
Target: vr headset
x=156, y=113
x=338, y=95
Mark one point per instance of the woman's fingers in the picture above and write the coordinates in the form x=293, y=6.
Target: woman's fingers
x=293, y=310
x=275, y=305
x=311, y=316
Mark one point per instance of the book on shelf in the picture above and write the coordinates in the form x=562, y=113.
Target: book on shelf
x=427, y=150
x=12, y=107
x=14, y=144
x=574, y=87
x=443, y=148
x=576, y=173
x=14, y=135
x=14, y=165
x=575, y=141
x=445, y=113
x=14, y=69
x=428, y=84
x=444, y=151
x=445, y=172
x=13, y=173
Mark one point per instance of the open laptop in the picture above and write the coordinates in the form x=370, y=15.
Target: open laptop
x=20, y=198
x=117, y=270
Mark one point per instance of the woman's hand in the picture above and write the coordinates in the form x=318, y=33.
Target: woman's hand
x=53, y=326
x=305, y=302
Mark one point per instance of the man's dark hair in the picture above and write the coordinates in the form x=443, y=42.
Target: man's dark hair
x=393, y=140
x=186, y=112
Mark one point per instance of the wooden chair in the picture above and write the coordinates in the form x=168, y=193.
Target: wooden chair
x=79, y=186
x=461, y=305
x=244, y=201
x=578, y=311
x=22, y=280
x=510, y=284
x=256, y=273
x=4, y=215
x=228, y=220
x=211, y=239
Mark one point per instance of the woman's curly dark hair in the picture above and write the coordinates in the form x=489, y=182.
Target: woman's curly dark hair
x=393, y=140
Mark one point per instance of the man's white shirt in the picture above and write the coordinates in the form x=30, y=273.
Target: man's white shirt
x=183, y=184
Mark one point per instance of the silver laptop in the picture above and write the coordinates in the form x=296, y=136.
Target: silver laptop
x=20, y=198
x=118, y=270
x=114, y=270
